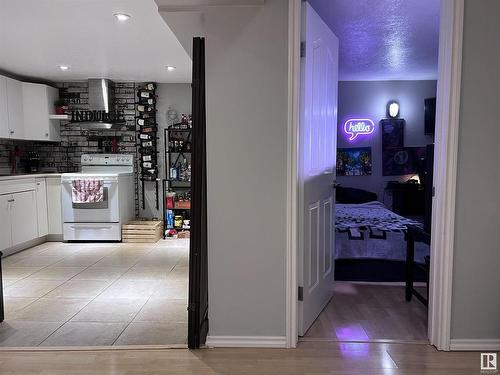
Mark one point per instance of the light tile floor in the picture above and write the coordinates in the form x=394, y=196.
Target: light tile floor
x=96, y=294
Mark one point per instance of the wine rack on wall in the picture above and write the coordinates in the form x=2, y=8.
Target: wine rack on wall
x=147, y=137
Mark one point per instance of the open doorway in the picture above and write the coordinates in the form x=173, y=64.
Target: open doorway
x=90, y=267
x=360, y=258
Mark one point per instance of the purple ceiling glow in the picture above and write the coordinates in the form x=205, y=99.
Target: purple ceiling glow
x=384, y=39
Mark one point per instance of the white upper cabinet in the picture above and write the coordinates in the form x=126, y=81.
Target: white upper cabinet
x=25, y=109
x=15, y=108
x=38, y=105
x=4, y=115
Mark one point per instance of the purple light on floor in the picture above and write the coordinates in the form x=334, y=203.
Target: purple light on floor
x=355, y=127
x=354, y=349
x=351, y=333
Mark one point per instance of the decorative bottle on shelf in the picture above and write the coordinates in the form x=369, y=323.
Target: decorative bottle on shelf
x=173, y=172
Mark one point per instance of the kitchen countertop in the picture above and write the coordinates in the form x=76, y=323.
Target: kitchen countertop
x=28, y=175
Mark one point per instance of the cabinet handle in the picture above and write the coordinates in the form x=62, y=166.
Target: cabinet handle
x=46, y=134
x=12, y=132
x=11, y=200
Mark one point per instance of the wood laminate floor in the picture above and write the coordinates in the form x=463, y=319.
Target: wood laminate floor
x=369, y=312
x=310, y=358
x=96, y=294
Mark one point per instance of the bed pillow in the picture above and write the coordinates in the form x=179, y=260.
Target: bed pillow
x=349, y=195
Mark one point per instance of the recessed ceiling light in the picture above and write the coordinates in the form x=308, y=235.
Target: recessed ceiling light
x=170, y=68
x=64, y=67
x=122, y=17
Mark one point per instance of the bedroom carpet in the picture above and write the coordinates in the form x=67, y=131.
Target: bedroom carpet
x=370, y=312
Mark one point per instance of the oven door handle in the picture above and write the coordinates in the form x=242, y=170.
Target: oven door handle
x=91, y=228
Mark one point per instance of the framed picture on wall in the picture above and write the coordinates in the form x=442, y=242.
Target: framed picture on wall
x=354, y=161
x=392, y=133
x=402, y=161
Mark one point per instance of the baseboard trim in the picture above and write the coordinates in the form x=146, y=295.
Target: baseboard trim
x=246, y=341
x=474, y=345
x=24, y=246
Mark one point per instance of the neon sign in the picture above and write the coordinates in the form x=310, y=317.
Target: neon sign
x=354, y=127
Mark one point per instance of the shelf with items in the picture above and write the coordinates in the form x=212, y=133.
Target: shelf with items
x=147, y=138
x=177, y=184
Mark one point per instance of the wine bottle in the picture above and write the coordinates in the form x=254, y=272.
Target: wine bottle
x=148, y=129
x=146, y=101
x=145, y=94
x=145, y=108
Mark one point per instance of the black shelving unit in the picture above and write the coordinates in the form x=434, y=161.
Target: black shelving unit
x=177, y=140
x=147, y=128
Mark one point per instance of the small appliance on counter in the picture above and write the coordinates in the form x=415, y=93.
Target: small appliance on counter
x=32, y=162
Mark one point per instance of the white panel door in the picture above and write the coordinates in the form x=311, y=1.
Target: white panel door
x=5, y=224
x=15, y=108
x=41, y=207
x=4, y=116
x=23, y=217
x=317, y=158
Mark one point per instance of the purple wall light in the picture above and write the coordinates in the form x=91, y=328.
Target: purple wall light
x=355, y=127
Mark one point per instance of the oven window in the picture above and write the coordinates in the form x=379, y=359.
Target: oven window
x=94, y=206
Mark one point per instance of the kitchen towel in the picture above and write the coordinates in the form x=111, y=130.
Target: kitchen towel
x=89, y=190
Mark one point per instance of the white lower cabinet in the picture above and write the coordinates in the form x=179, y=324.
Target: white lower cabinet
x=30, y=209
x=23, y=217
x=41, y=207
x=5, y=224
x=54, y=206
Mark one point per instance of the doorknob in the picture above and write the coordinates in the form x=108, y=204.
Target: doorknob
x=335, y=184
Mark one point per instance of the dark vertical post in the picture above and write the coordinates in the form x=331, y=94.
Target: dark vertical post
x=198, y=262
x=2, y=313
x=410, y=255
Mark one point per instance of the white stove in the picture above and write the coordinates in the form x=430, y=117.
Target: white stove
x=100, y=221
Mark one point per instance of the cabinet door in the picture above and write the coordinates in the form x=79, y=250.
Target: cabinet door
x=23, y=217
x=15, y=108
x=5, y=224
x=54, y=206
x=54, y=125
x=36, y=116
x=41, y=207
x=4, y=116
x=38, y=104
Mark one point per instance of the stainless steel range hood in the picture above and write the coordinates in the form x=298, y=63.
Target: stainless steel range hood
x=101, y=114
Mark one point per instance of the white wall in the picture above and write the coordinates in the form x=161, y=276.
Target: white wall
x=246, y=78
x=368, y=99
x=170, y=95
x=476, y=274
x=246, y=82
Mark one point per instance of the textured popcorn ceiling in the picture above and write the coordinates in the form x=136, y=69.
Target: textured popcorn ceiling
x=384, y=39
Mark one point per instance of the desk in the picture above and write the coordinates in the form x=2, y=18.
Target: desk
x=415, y=234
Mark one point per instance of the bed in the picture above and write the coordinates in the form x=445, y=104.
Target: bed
x=370, y=243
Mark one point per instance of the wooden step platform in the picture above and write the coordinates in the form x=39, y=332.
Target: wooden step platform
x=146, y=231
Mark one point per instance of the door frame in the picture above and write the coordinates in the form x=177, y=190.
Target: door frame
x=446, y=151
